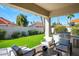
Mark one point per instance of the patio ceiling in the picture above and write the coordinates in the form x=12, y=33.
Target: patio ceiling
x=48, y=9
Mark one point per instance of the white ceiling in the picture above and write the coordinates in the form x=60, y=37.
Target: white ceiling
x=53, y=6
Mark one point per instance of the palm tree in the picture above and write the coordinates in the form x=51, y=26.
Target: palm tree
x=58, y=20
x=70, y=16
x=43, y=22
x=21, y=20
x=41, y=18
x=53, y=24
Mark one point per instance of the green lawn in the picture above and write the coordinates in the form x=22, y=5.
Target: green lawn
x=29, y=41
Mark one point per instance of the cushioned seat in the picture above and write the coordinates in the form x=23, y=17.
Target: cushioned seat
x=64, y=45
x=64, y=42
x=62, y=48
x=20, y=52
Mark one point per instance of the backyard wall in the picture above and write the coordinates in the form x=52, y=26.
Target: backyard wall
x=11, y=29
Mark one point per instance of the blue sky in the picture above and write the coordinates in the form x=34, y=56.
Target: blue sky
x=11, y=14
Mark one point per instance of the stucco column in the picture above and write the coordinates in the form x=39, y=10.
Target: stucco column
x=48, y=38
x=47, y=29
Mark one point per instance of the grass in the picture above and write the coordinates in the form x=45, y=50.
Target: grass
x=29, y=41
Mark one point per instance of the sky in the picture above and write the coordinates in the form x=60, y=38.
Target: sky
x=10, y=14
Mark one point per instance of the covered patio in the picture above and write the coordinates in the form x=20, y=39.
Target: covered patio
x=47, y=10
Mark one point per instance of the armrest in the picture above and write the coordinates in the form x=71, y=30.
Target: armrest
x=10, y=53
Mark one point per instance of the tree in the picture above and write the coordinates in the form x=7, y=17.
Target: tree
x=54, y=24
x=70, y=16
x=58, y=20
x=43, y=22
x=31, y=22
x=21, y=20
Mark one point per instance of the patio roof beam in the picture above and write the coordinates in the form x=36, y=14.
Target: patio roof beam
x=31, y=7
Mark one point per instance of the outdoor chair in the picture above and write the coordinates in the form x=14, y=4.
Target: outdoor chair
x=64, y=46
x=19, y=52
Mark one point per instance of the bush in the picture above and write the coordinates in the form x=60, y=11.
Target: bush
x=76, y=25
x=23, y=33
x=33, y=32
x=60, y=29
x=40, y=32
x=2, y=34
x=75, y=31
x=16, y=35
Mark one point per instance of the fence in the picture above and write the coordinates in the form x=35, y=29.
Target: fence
x=10, y=29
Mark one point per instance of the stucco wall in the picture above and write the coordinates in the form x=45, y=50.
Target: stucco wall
x=10, y=29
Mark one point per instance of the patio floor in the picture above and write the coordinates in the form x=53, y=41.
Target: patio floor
x=4, y=52
x=75, y=51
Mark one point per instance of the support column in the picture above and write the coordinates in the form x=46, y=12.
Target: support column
x=48, y=38
x=48, y=29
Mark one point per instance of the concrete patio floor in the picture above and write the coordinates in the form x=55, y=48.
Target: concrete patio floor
x=5, y=52
x=75, y=51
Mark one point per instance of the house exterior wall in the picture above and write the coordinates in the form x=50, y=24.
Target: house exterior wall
x=11, y=29
x=1, y=22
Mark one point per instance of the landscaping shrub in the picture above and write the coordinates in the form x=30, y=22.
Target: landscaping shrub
x=23, y=33
x=76, y=25
x=75, y=31
x=60, y=29
x=2, y=34
x=33, y=32
x=16, y=35
x=40, y=32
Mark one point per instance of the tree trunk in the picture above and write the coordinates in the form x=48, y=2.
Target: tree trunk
x=58, y=20
x=43, y=23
